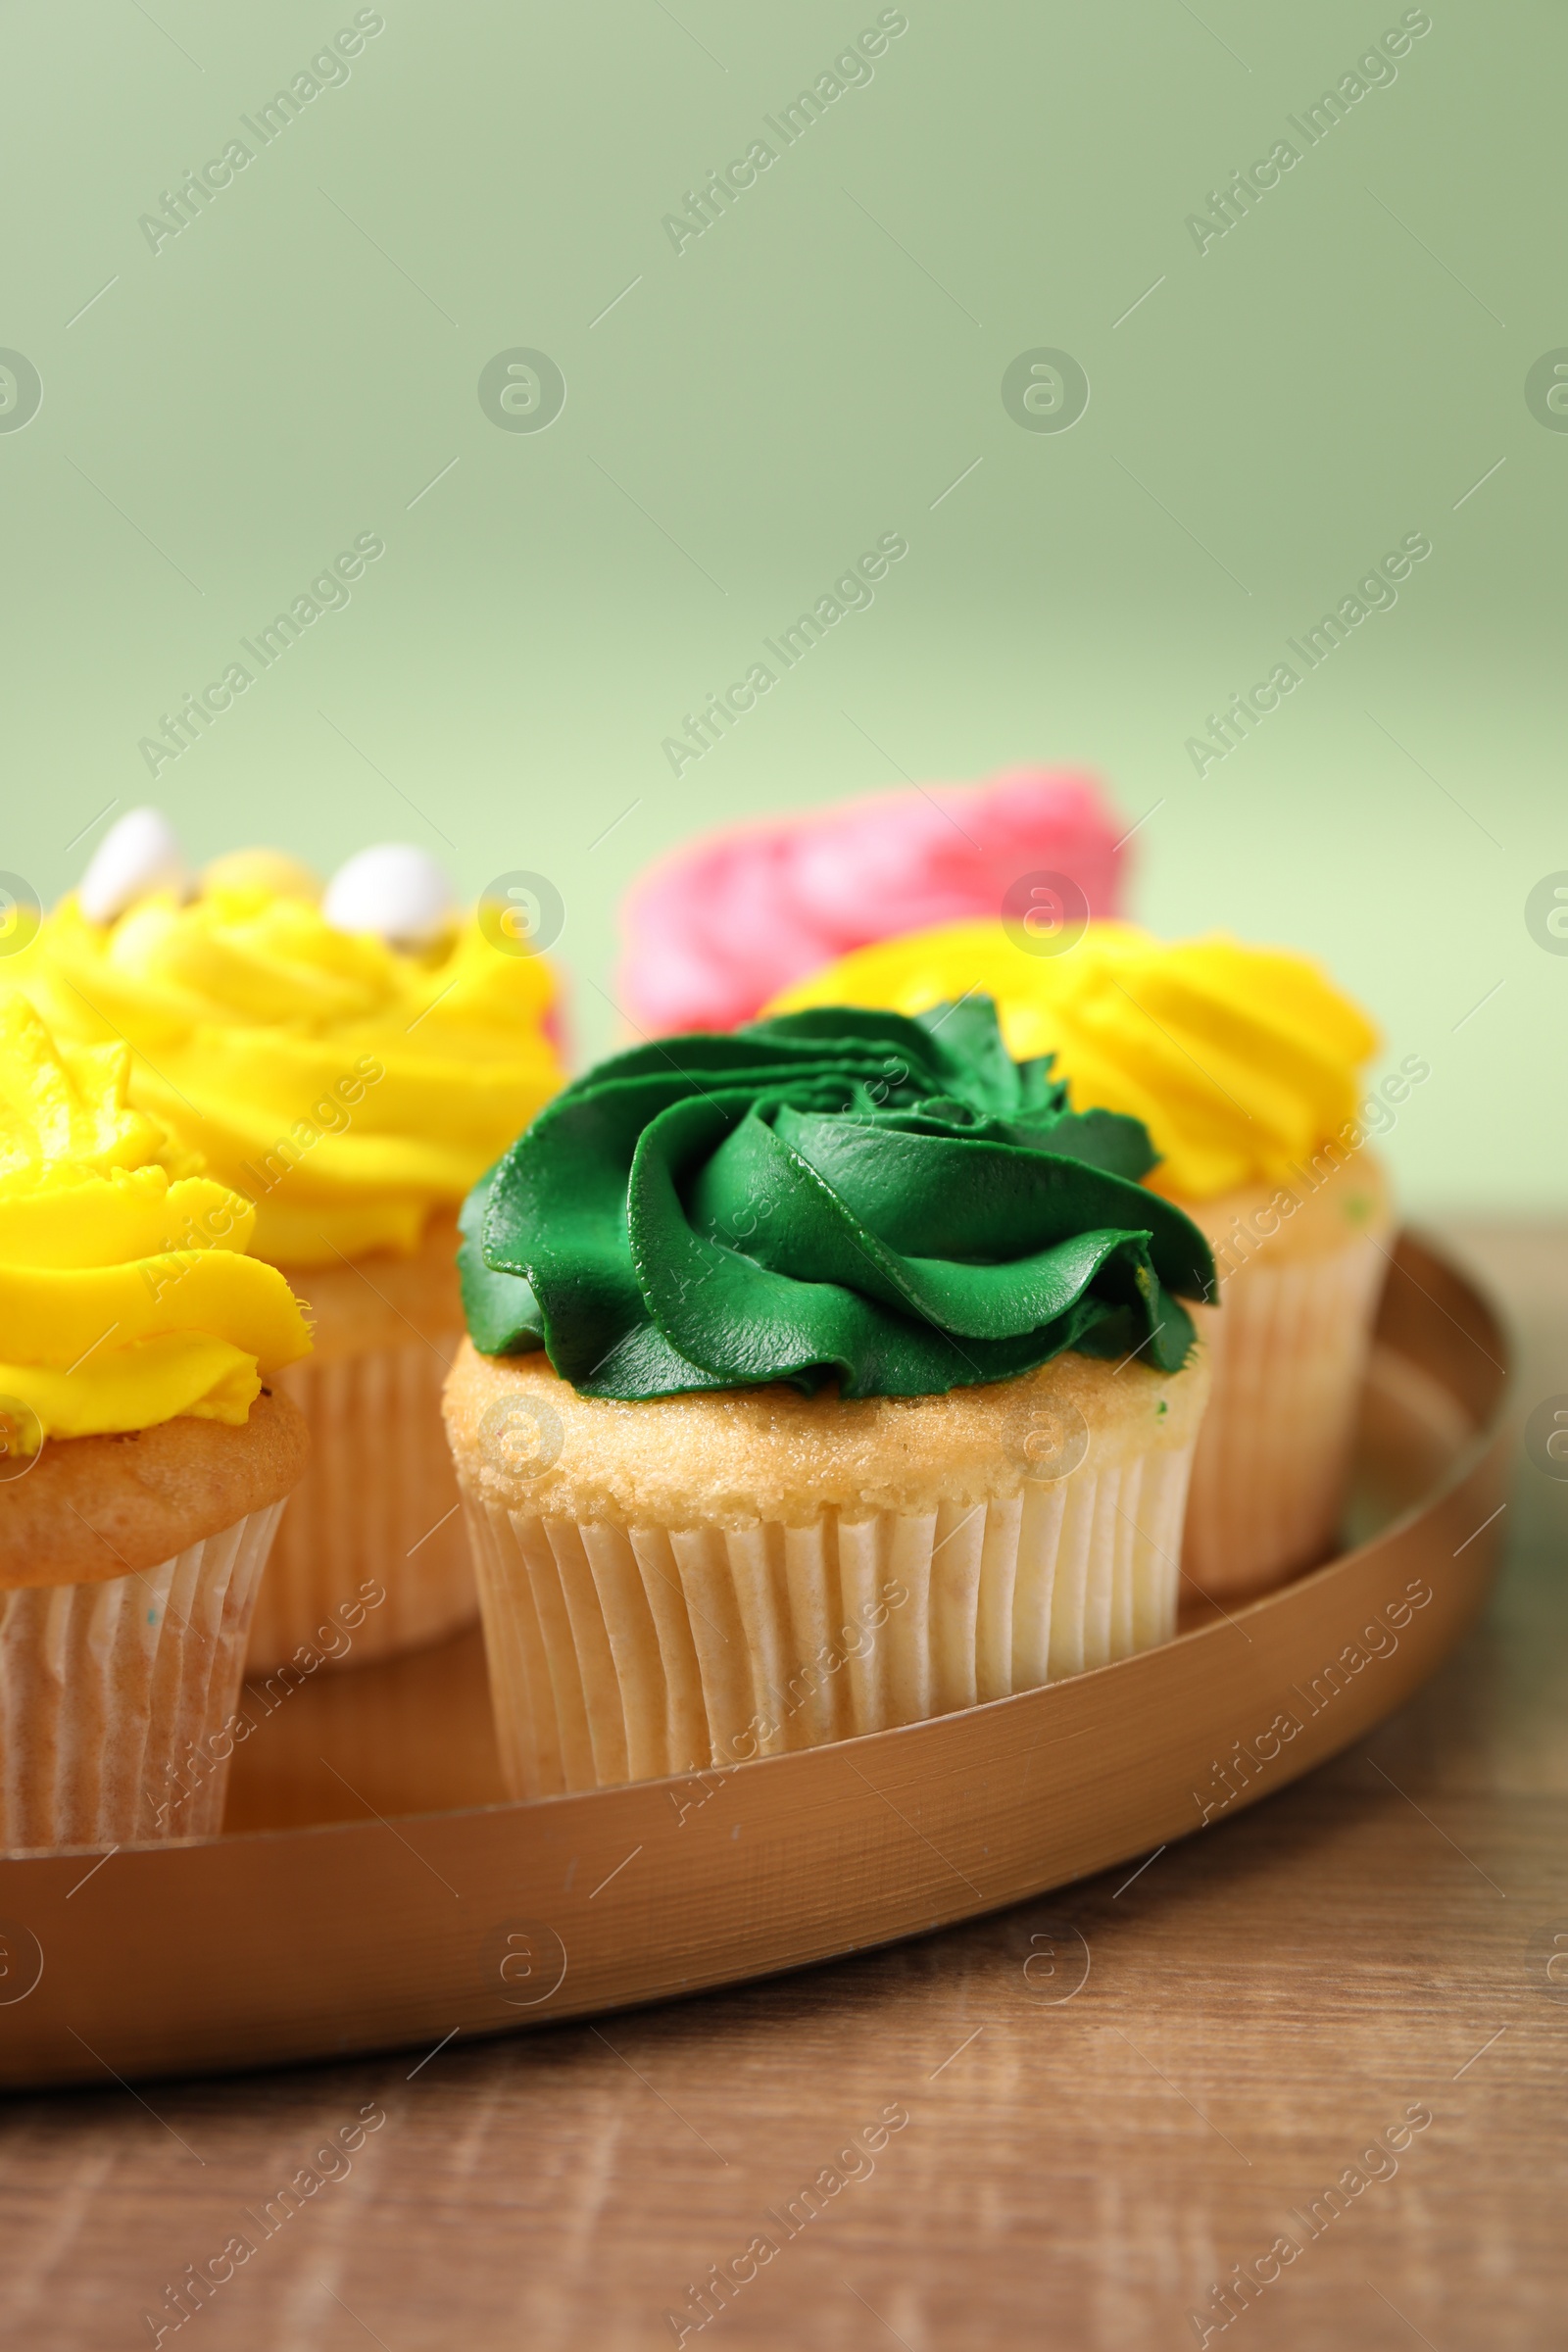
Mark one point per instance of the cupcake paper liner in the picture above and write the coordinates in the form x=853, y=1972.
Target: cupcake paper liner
x=114, y=1696
x=1290, y=1345
x=376, y=1511
x=625, y=1653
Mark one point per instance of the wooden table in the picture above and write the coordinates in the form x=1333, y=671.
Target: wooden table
x=1059, y=2126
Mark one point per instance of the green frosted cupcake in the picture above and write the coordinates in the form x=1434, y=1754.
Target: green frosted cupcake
x=821, y=1377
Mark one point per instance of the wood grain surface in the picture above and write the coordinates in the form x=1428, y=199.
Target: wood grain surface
x=1064, y=2126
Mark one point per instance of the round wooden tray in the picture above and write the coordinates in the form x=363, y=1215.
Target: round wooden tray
x=373, y=1888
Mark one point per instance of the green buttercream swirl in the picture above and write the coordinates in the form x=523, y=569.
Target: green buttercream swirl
x=836, y=1195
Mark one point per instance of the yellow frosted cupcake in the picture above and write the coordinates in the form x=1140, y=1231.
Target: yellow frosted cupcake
x=349, y=1063
x=823, y=1377
x=143, y=1463
x=1243, y=1064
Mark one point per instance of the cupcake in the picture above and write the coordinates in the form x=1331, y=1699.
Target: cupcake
x=718, y=928
x=820, y=1378
x=350, y=1062
x=145, y=1456
x=1243, y=1064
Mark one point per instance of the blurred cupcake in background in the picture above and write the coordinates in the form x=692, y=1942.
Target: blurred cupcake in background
x=145, y=1456
x=714, y=931
x=349, y=1061
x=1243, y=1064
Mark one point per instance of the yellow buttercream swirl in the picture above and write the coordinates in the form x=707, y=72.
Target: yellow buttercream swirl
x=1239, y=1060
x=345, y=1087
x=125, y=1293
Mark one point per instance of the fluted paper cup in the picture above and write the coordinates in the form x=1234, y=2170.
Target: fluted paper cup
x=625, y=1647
x=375, y=1524
x=374, y=1533
x=117, y=1696
x=1289, y=1342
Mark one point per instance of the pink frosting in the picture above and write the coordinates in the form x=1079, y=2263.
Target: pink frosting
x=721, y=926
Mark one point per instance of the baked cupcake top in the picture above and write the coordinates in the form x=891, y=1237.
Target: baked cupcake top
x=715, y=929
x=1239, y=1060
x=530, y=1442
x=350, y=1066
x=126, y=1294
x=841, y=1195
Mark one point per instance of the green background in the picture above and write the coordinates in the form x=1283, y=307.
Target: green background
x=302, y=361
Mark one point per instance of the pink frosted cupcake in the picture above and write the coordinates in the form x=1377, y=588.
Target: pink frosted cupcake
x=714, y=931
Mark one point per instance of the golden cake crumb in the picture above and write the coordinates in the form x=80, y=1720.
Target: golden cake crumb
x=91, y=1508
x=526, y=1440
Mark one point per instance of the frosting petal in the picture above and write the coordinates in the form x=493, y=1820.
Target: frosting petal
x=714, y=931
x=841, y=1194
x=1239, y=1060
x=347, y=1088
x=125, y=1296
